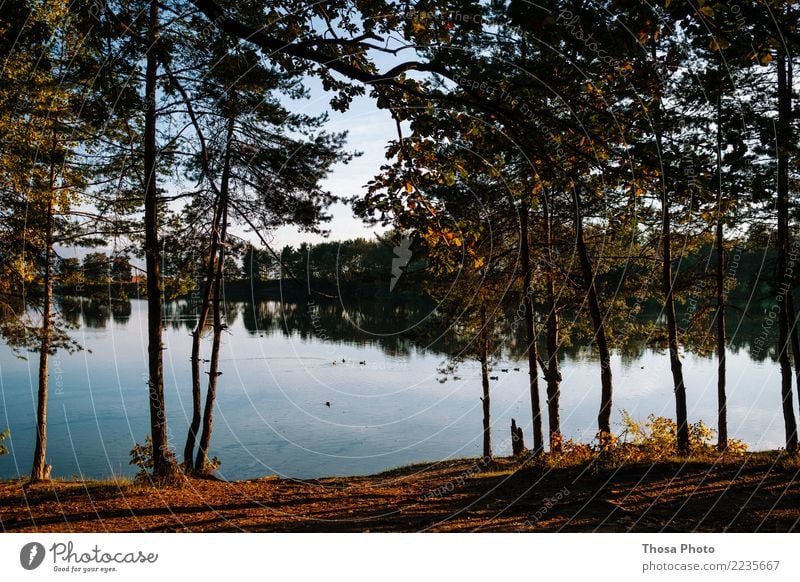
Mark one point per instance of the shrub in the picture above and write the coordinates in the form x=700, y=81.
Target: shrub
x=656, y=438
x=142, y=457
x=3, y=436
x=212, y=465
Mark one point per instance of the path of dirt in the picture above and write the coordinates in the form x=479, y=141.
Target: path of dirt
x=756, y=494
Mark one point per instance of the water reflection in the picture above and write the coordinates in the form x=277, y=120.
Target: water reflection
x=399, y=324
x=282, y=360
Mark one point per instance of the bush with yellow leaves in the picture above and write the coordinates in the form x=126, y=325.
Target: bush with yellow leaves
x=656, y=438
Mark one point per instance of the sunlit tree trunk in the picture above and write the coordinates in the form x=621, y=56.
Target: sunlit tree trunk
x=41, y=470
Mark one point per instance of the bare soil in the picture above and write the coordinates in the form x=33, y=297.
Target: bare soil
x=755, y=493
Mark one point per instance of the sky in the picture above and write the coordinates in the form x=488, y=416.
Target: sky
x=369, y=131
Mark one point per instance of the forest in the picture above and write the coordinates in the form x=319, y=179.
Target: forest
x=563, y=171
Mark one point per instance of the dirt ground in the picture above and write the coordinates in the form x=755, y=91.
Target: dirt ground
x=751, y=494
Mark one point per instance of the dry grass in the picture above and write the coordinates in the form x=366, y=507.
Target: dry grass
x=751, y=492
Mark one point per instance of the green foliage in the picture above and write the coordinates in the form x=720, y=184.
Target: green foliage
x=96, y=268
x=142, y=457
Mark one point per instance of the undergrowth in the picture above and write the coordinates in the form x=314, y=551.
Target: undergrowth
x=649, y=441
x=142, y=457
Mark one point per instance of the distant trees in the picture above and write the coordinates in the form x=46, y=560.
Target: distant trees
x=258, y=264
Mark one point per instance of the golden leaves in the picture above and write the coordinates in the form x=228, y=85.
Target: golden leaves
x=718, y=44
x=707, y=11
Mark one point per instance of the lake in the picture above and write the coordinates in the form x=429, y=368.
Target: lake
x=271, y=416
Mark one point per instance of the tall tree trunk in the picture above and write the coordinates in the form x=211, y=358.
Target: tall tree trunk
x=485, y=400
x=676, y=366
x=783, y=277
x=213, y=374
x=722, y=398
x=530, y=331
x=158, y=420
x=606, y=382
x=553, y=373
x=41, y=470
x=197, y=334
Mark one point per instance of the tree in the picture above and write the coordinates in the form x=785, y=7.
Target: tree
x=158, y=419
x=70, y=274
x=96, y=268
x=121, y=270
x=49, y=128
x=258, y=165
x=257, y=264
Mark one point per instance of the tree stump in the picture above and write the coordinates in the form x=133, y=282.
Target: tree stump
x=517, y=439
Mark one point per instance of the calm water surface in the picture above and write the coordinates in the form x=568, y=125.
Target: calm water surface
x=271, y=416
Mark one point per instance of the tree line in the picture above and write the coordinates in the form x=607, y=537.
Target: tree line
x=572, y=154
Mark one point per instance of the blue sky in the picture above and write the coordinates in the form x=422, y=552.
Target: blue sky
x=369, y=130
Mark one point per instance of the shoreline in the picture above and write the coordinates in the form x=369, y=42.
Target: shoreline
x=752, y=492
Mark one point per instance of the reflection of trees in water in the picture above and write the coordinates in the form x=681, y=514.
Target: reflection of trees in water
x=182, y=314
x=400, y=323
x=358, y=323
x=94, y=312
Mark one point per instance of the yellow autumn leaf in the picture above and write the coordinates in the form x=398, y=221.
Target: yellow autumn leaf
x=766, y=59
x=409, y=187
x=718, y=44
